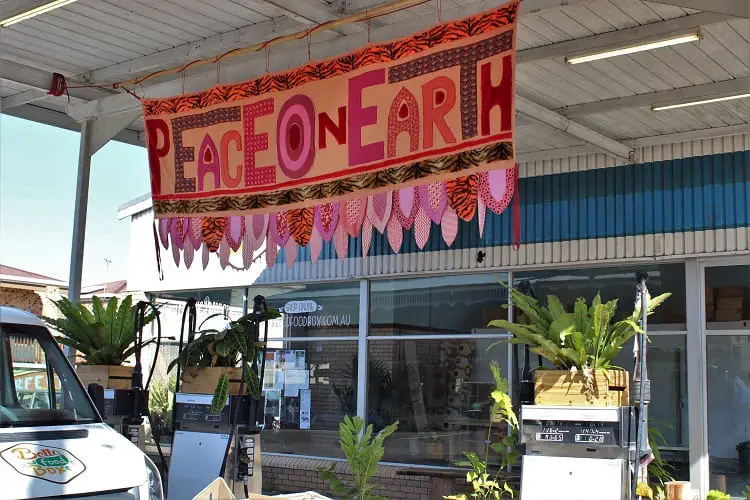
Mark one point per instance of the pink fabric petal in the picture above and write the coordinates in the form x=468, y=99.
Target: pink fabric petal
x=366, y=237
x=204, y=257
x=257, y=227
x=224, y=253
x=247, y=252
x=496, y=188
x=195, y=235
x=379, y=208
x=341, y=241
x=176, y=233
x=290, y=251
x=278, y=228
x=353, y=214
x=449, y=226
x=405, y=204
x=481, y=215
x=234, y=231
x=176, y=254
x=271, y=253
x=326, y=220
x=316, y=245
x=421, y=228
x=395, y=234
x=188, y=253
x=165, y=225
x=433, y=199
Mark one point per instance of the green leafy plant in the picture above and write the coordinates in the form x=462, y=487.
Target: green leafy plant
x=234, y=346
x=160, y=397
x=718, y=495
x=586, y=339
x=363, y=451
x=486, y=485
x=746, y=493
x=659, y=470
x=102, y=335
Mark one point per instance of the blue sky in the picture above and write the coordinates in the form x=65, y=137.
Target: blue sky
x=38, y=169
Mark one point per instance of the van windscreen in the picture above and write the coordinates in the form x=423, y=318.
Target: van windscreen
x=37, y=385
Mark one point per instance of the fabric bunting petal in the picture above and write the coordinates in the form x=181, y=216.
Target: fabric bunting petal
x=405, y=205
x=352, y=215
x=422, y=226
x=301, y=225
x=278, y=228
x=204, y=256
x=188, y=253
x=316, y=245
x=395, y=234
x=432, y=198
x=257, y=227
x=235, y=230
x=341, y=241
x=212, y=230
x=224, y=253
x=462, y=196
x=196, y=232
x=379, y=208
x=481, y=216
x=366, y=237
x=271, y=253
x=326, y=220
x=290, y=252
x=449, y=226
x=496, y=188
x=164, y=229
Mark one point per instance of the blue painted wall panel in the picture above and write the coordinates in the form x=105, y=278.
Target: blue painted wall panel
x=690, y=194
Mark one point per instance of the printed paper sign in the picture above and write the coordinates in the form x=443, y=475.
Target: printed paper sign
x=51, y=464
x=433, y=106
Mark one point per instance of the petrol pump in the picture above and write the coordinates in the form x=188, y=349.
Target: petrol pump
x=589, y=453
x=207, y=445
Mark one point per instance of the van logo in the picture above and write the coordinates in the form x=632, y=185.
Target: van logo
x=55, y=465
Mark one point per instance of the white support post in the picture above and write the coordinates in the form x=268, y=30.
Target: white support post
x=81, y=208
x=364, y=326
x=696, y=377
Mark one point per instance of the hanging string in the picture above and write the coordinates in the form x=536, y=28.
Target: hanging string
x=369, y=30
x=268, y=59
x=516, y=245
x=309, y=48
x=440, y=10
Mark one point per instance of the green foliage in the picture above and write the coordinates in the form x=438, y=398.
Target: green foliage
x=718, y=495
x=363, y=451
x=585, y=338
x=233, y=346
x=486, y=485
x=659, y=471
x=101, y=335
x=746, y=493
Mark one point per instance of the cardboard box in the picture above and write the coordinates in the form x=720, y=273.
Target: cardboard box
x=710, y=293
x=729, y=303
x=729, y=291
x=723, y=315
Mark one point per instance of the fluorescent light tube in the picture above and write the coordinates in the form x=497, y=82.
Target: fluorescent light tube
x=692, y=37
x=698, y=103
x=41, y=9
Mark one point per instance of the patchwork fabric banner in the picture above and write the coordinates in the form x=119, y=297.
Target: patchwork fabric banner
x=398, y=134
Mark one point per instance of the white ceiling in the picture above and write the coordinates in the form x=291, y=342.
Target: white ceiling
x=103, y=41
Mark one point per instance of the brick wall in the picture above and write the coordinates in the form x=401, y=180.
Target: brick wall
x=296, y=474
x=28, y=300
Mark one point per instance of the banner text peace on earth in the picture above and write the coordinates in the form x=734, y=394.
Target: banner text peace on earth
x=436, y=104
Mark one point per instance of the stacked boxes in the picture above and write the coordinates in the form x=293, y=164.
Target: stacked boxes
x=710, y=304
x=729, y=301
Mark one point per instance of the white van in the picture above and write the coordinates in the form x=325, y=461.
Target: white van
x=53, y=442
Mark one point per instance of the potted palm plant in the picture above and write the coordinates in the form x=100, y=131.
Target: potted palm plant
x=214, y=361
x=103, y=336
x=580, y=344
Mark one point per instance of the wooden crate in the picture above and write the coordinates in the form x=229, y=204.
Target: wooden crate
x=562, y=388
x=109, y=377
x=204, y=380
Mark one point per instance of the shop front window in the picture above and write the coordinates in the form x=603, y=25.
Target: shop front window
x=317, y=310
x=448, y=305
x=438, y=391
x=728, y=297
x=614, y=283
x=728, y=387
x=309, y=387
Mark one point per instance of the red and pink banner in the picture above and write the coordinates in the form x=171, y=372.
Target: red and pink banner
x=394, y=136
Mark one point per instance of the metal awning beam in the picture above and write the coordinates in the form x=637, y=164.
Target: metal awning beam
x=707, y=91
x=736, y=8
